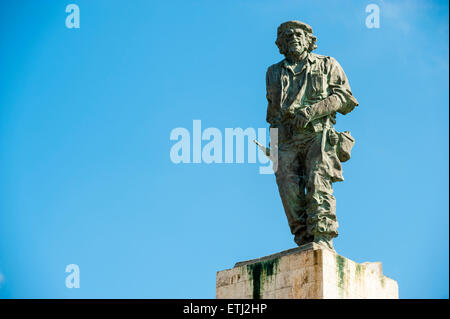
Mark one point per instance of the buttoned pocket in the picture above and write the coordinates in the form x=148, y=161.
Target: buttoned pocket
x=318, y=84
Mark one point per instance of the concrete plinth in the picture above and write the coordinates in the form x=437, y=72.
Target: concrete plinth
x=305, y=272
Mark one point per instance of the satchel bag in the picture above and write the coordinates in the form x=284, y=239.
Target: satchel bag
x=344, y=146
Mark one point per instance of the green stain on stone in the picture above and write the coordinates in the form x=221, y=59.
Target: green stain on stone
x=382, y=280
x=358, y=271
x=340, y=265
x=259, y=272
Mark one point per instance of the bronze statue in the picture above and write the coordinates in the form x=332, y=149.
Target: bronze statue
x=304, y=92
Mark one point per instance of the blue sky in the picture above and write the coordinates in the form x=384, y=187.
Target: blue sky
x=85, y=119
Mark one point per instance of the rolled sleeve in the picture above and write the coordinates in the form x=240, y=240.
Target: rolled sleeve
x=272, y=114
x=338, y=85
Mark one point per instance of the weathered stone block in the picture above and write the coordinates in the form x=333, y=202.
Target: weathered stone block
x=306, y=272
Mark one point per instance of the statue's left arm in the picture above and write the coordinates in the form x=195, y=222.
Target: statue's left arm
x=340, y=98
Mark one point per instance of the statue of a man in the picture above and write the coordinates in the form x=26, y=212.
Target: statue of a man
x=304, y=92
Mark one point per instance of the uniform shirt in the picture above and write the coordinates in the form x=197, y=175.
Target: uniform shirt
x=319, y=77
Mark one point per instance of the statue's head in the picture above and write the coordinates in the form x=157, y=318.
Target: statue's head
x=294, y=38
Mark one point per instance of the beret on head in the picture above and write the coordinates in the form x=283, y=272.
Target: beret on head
x=294, y=24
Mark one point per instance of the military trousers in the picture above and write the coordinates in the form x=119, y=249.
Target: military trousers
x=304, y=177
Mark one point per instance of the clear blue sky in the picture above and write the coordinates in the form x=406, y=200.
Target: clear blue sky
x=85, y=119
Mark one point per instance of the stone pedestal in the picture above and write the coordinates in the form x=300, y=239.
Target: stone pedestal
x=305, y=272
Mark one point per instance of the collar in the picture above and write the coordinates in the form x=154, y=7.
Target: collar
x=309, y=58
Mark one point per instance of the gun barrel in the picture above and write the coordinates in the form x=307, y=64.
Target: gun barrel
x=263, y=148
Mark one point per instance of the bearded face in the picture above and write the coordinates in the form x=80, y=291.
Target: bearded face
x=295, y=42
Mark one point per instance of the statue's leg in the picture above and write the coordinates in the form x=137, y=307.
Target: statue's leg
x=301, y=235
x=292, y=192
x=320, y=202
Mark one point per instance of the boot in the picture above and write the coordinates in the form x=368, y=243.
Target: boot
x=302, y=239
x=324, y=241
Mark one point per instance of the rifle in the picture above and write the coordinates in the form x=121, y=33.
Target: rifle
x=266, y=150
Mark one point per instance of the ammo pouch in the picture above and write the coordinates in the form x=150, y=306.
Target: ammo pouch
x=344, y=146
